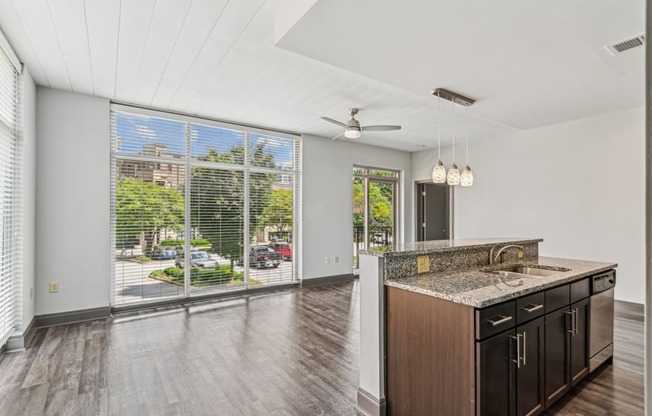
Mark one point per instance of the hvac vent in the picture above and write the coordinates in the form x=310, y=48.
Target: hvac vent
x=627, y=44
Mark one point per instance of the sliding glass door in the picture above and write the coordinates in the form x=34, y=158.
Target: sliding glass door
x=200, y=207
x=375, y=209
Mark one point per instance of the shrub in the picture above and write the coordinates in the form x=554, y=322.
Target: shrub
x=143, y=259
x=171, y=243
x=158, y=273
x=174, y=272
x=200, y=242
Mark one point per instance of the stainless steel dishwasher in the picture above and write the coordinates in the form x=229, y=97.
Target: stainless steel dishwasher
x=601, y=333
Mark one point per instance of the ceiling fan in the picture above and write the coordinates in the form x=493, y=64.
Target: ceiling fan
x=353, y=129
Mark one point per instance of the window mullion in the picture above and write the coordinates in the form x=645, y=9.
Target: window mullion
x=187, y=220
x=245, y=253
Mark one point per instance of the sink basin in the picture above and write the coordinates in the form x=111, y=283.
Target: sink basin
x=519, y=271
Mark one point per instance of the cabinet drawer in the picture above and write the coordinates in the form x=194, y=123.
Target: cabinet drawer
x=495, y=319
x=557, y=297
x=580, y=290
x=529, y=307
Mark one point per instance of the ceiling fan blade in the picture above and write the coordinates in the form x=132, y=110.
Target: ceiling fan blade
x=330, y=120
x=337, y=136
x=380, y=128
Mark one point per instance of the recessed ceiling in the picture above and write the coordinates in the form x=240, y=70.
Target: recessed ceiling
x=219, y=58
x=528, y=63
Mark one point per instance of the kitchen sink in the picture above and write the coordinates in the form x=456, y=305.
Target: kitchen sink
x=519, y=271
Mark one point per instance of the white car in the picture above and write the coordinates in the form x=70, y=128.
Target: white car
x=202, y=259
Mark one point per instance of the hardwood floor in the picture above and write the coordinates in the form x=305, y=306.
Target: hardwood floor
x=293, y=352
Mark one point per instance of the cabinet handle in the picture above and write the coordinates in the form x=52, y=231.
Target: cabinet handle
x=502, y=320
x=518, y=350
x=524, y=348
x=575, y=322
x=572, y=315
x=532, y=308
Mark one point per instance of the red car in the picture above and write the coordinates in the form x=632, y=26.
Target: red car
x=284, y=248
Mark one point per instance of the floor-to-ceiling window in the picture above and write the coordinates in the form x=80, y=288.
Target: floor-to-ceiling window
x=200, y=206
x=375, y=205
x=10, y=209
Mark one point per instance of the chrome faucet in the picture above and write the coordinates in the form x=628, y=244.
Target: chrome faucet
x=501, y=252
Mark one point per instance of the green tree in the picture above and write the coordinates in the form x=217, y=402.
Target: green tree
x=145, y=208
x=217, y=199
x=278, y=212
x=380, y=203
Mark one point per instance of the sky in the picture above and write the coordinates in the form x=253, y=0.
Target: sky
x=134, y=131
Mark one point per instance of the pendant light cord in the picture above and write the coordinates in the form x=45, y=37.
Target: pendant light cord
x=453, y=102
x=438, y=126
x=466, y=130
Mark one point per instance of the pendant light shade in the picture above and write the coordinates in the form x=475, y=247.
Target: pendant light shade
x=466, y=178
x=439, y=173
x=453, y=177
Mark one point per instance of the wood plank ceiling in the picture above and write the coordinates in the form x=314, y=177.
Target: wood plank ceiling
x=215, y=58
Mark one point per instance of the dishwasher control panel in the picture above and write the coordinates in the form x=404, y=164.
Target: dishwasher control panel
x=603, y=281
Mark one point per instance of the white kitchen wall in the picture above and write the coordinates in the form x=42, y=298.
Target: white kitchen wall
x=72, y=201
x=578, y=185
x=328, y=200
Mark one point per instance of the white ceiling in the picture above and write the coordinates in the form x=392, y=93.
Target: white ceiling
x=218, y=58
x=528, y=63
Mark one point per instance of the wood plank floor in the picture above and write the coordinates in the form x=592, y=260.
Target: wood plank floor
x=293, y=352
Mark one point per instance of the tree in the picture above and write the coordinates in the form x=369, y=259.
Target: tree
x=380, y=203
x=278, y=212
x=145, y=208
x=217, y=199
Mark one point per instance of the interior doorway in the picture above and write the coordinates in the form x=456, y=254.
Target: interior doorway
x=434, y=206
x=375, y=209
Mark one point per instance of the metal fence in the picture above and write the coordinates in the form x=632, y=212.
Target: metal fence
x=379, y=236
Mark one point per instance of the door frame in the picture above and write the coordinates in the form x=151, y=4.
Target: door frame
x=451, y=206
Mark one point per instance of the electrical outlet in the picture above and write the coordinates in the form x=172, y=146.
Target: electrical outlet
x=54, y=287
x=31, y=293
x=423, y=264
x=328, y=260
x=336, y=259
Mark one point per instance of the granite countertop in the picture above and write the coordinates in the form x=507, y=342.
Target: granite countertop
x=440, y=246
x=481, y=289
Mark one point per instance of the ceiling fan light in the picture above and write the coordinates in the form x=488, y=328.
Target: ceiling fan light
x=466, y=179
x=453, y=176
x=439, y=173
x=352, y=132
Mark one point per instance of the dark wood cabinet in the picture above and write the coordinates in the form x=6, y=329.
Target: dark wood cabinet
x=557, y=348
x=579, y=341
x=496, y=375
x=530, y=397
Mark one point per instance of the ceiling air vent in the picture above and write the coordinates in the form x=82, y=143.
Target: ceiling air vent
x=627, y=44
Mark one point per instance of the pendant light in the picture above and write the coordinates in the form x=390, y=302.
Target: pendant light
x=453, y=176
x=466, y=179
x=439, y=171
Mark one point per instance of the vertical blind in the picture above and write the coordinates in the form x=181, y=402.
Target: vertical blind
x=10, y=232
x=199, y=206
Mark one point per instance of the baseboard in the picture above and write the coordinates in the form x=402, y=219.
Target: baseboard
x=20, y=341
x=327, y=280
x=630, y=310
x=64, y=318
x=368, y=405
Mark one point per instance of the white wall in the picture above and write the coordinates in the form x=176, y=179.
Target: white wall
x=327, y=208
x=579, y=185
x=72, y=201
x=27, y=139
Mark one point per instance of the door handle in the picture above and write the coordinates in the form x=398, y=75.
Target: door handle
x=573, y=314
x=518, y=350
x=524, y=348
x=575, y=323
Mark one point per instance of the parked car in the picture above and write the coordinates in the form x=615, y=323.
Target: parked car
x=263, y=256
x=284, y=248
x=163, y=253
x=201, y=259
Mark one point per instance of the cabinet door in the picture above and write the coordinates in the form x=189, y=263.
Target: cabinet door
x=557, y=353
x=579, y=341
x=495, y=375
x=530, y=398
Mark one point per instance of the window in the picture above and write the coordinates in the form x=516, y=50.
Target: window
x=223, y=193
x=10, y=230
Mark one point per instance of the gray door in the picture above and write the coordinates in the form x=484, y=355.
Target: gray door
x=433, y=212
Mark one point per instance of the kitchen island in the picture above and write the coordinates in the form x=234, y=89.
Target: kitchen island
x=443, y=331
